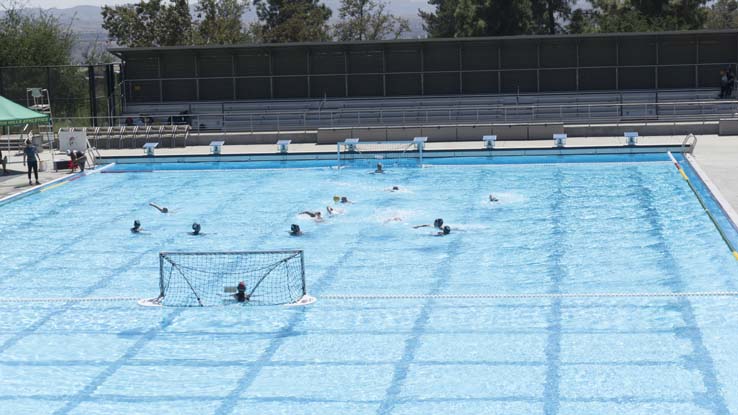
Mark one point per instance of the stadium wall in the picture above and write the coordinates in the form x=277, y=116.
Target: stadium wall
x=471, y=66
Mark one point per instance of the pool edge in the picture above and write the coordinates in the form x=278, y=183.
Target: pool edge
x=715, y=192
x=52, y=184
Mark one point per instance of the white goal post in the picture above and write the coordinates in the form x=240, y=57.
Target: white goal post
x=199, y=279
x=355, y=149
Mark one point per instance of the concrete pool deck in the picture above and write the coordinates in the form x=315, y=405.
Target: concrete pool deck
x=717, y=155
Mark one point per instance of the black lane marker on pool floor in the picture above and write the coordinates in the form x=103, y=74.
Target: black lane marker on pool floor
x=87, y=391
x=552, y=350
x=329, y=275
x=84, y=394
x=712, y=399
x=77, y=239
x=62, y=308
x=412, y=344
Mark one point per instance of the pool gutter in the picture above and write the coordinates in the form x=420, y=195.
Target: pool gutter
x=52, y=184
x=427, y=154
x=714, y=191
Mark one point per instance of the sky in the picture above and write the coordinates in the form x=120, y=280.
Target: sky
x=63, y=4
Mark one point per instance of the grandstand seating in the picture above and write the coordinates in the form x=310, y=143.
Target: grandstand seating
x=135, y=136
x=283, y=115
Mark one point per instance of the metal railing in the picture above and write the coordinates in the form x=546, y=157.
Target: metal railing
x=276, y=120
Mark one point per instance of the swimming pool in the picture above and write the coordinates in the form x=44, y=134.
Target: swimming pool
x=559, y=228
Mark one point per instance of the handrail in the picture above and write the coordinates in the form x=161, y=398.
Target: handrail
x=691, y=147
x=261, y=120
x=344, y=111
x=446, y=108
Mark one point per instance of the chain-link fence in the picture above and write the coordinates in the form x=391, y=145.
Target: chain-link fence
x=85, y=94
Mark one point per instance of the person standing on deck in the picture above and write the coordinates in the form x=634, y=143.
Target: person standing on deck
x=4, y=162
x=30, y=153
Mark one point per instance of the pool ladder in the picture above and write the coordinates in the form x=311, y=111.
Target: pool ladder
x=689, y=147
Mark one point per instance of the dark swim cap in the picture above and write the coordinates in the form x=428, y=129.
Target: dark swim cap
x=196, y=227
x=136, y=224
x=438, y=223
x=295, y=228
x=446, y=230
x=241, y=286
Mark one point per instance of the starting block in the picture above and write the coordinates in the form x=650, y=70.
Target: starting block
x=216, y=147
x=559, y=140
x=149, y=148
x=283, y=145
x=631, y=138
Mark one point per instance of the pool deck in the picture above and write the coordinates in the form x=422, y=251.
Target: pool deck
x=717, y=155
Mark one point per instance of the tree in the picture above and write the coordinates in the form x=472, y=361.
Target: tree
x=149, y=23
x=548, y=15
x=470, y=18
x=94, y=54
x=723, y=15
x=292, y=21
x=648, y=15
x=442, y=22
x=29, y=39
x=368, y=20
x=40, y=47
x=220, y=22
x=581, y=22
x=492, y=18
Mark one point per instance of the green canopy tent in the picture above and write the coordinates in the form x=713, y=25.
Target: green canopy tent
x=13, y=114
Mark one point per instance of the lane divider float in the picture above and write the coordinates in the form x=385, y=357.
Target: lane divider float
x=704, y=206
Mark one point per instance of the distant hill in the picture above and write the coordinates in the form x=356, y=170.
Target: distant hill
x=84, y=19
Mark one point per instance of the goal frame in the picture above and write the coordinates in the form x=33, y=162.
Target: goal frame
x=349, y=149
x=296, y=252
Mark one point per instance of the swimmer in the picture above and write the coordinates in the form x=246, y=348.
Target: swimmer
x=317, y=216
x=444, y=231
x=295, y=230
x=344, y=199
x=159, y=208
x=196, y=229
x=136, y=226
x=394, y=189
x=492, y=198
x=438, y=224
x=336, y=199
x=333, y=211
x=240, y=294
x=380, y=169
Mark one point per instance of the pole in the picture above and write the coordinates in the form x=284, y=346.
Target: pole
x=93, y=98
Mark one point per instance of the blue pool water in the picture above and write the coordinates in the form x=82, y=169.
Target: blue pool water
x=559, y=228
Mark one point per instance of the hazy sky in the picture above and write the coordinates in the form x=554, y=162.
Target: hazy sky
x=62, y=4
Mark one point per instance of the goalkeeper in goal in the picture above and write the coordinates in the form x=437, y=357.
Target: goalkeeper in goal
x=240, y=294
x=190, y=279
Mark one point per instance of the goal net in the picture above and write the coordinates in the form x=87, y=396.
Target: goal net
x=386, y=152
x=191, y=279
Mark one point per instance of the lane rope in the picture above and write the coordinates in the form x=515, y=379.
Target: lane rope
x=66, y=299
x=704, y=206
x=342, y=297
x=525, y=296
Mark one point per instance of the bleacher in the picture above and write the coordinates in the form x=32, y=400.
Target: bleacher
x=135, y=136
x=282, y=115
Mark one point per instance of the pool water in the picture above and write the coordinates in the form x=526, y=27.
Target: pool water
x=573, y=228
